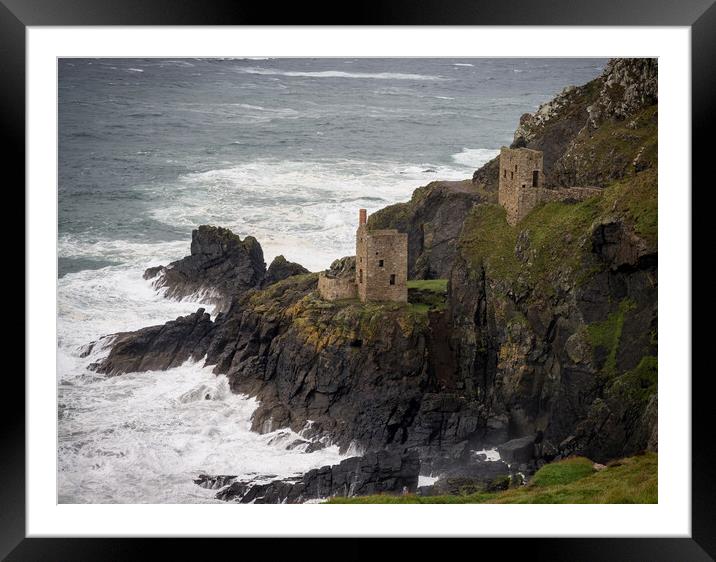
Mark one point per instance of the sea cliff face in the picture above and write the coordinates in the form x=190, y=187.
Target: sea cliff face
x=548, y=332
x=553, y=323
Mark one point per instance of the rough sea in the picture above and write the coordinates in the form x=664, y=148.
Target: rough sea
x=285, y=150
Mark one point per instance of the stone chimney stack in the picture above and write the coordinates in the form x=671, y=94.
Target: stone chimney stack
x=362, y=217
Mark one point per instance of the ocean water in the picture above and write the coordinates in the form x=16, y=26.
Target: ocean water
x=285, y=150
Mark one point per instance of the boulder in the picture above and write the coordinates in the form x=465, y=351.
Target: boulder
x=475, y=476
x=518, y=451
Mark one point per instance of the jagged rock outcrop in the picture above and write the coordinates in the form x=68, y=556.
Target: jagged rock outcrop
x=281, y=269
x=627, y=86
x=593, y=134
x=432, y=219
x=344, y=267
x=356, y=372
x=374, y=473
x=158, y=348
x=220, y=267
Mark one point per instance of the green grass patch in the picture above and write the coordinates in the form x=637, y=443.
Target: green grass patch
x=487, y=240
x=552, y=243
x=636, y=199
x=607, y=335
x=632, y=480
x=435, y=285
x=425, y=295
x=564, y=472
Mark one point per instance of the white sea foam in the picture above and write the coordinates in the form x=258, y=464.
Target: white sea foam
x=490, y=454
x=426, y=480
x=474, y=157
x=340, y=74
x=135, y=70
x=462, y=64
x=142, y=437
x=305, y=210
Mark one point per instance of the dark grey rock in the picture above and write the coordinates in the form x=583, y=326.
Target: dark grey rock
x=374, y=473
x=520, y=450
x=221, y=264
x=281, y=269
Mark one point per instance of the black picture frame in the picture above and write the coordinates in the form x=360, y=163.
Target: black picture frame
x=699, y=15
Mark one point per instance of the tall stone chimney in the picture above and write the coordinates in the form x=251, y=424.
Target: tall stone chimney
x=362, y=217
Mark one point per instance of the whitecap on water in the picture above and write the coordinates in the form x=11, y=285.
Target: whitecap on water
x=475, y=157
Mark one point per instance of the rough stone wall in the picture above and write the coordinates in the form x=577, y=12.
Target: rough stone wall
x=390, y=248
x=336, y=288
x=517, y=194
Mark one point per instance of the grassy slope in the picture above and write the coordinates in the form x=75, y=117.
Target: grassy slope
x=630, y=480
x=558, y=233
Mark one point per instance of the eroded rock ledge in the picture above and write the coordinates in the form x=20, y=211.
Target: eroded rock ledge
x=374, y=473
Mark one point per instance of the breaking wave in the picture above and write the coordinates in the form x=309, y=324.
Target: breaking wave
x=474, y=157
x=340, y=74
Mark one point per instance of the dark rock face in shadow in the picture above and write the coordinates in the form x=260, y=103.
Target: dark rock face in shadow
x=432, y=219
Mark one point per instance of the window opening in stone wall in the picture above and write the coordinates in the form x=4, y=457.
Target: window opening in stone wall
x=535, y=177
x=392, y=278
x=360, y=276
x=380, y=263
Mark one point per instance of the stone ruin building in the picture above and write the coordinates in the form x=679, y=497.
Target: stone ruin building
x=521, y=186
x=381, y=268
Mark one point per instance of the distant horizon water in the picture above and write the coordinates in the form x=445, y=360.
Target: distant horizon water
x=285, y=150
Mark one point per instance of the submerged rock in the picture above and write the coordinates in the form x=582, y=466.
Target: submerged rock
x=214, y=482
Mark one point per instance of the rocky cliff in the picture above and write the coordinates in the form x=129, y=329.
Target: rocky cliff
x=554, y=322
x=548, y=339
x=432, y=219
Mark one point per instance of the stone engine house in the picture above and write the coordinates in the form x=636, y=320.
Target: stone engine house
x=521, y=184
x=381, y=272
